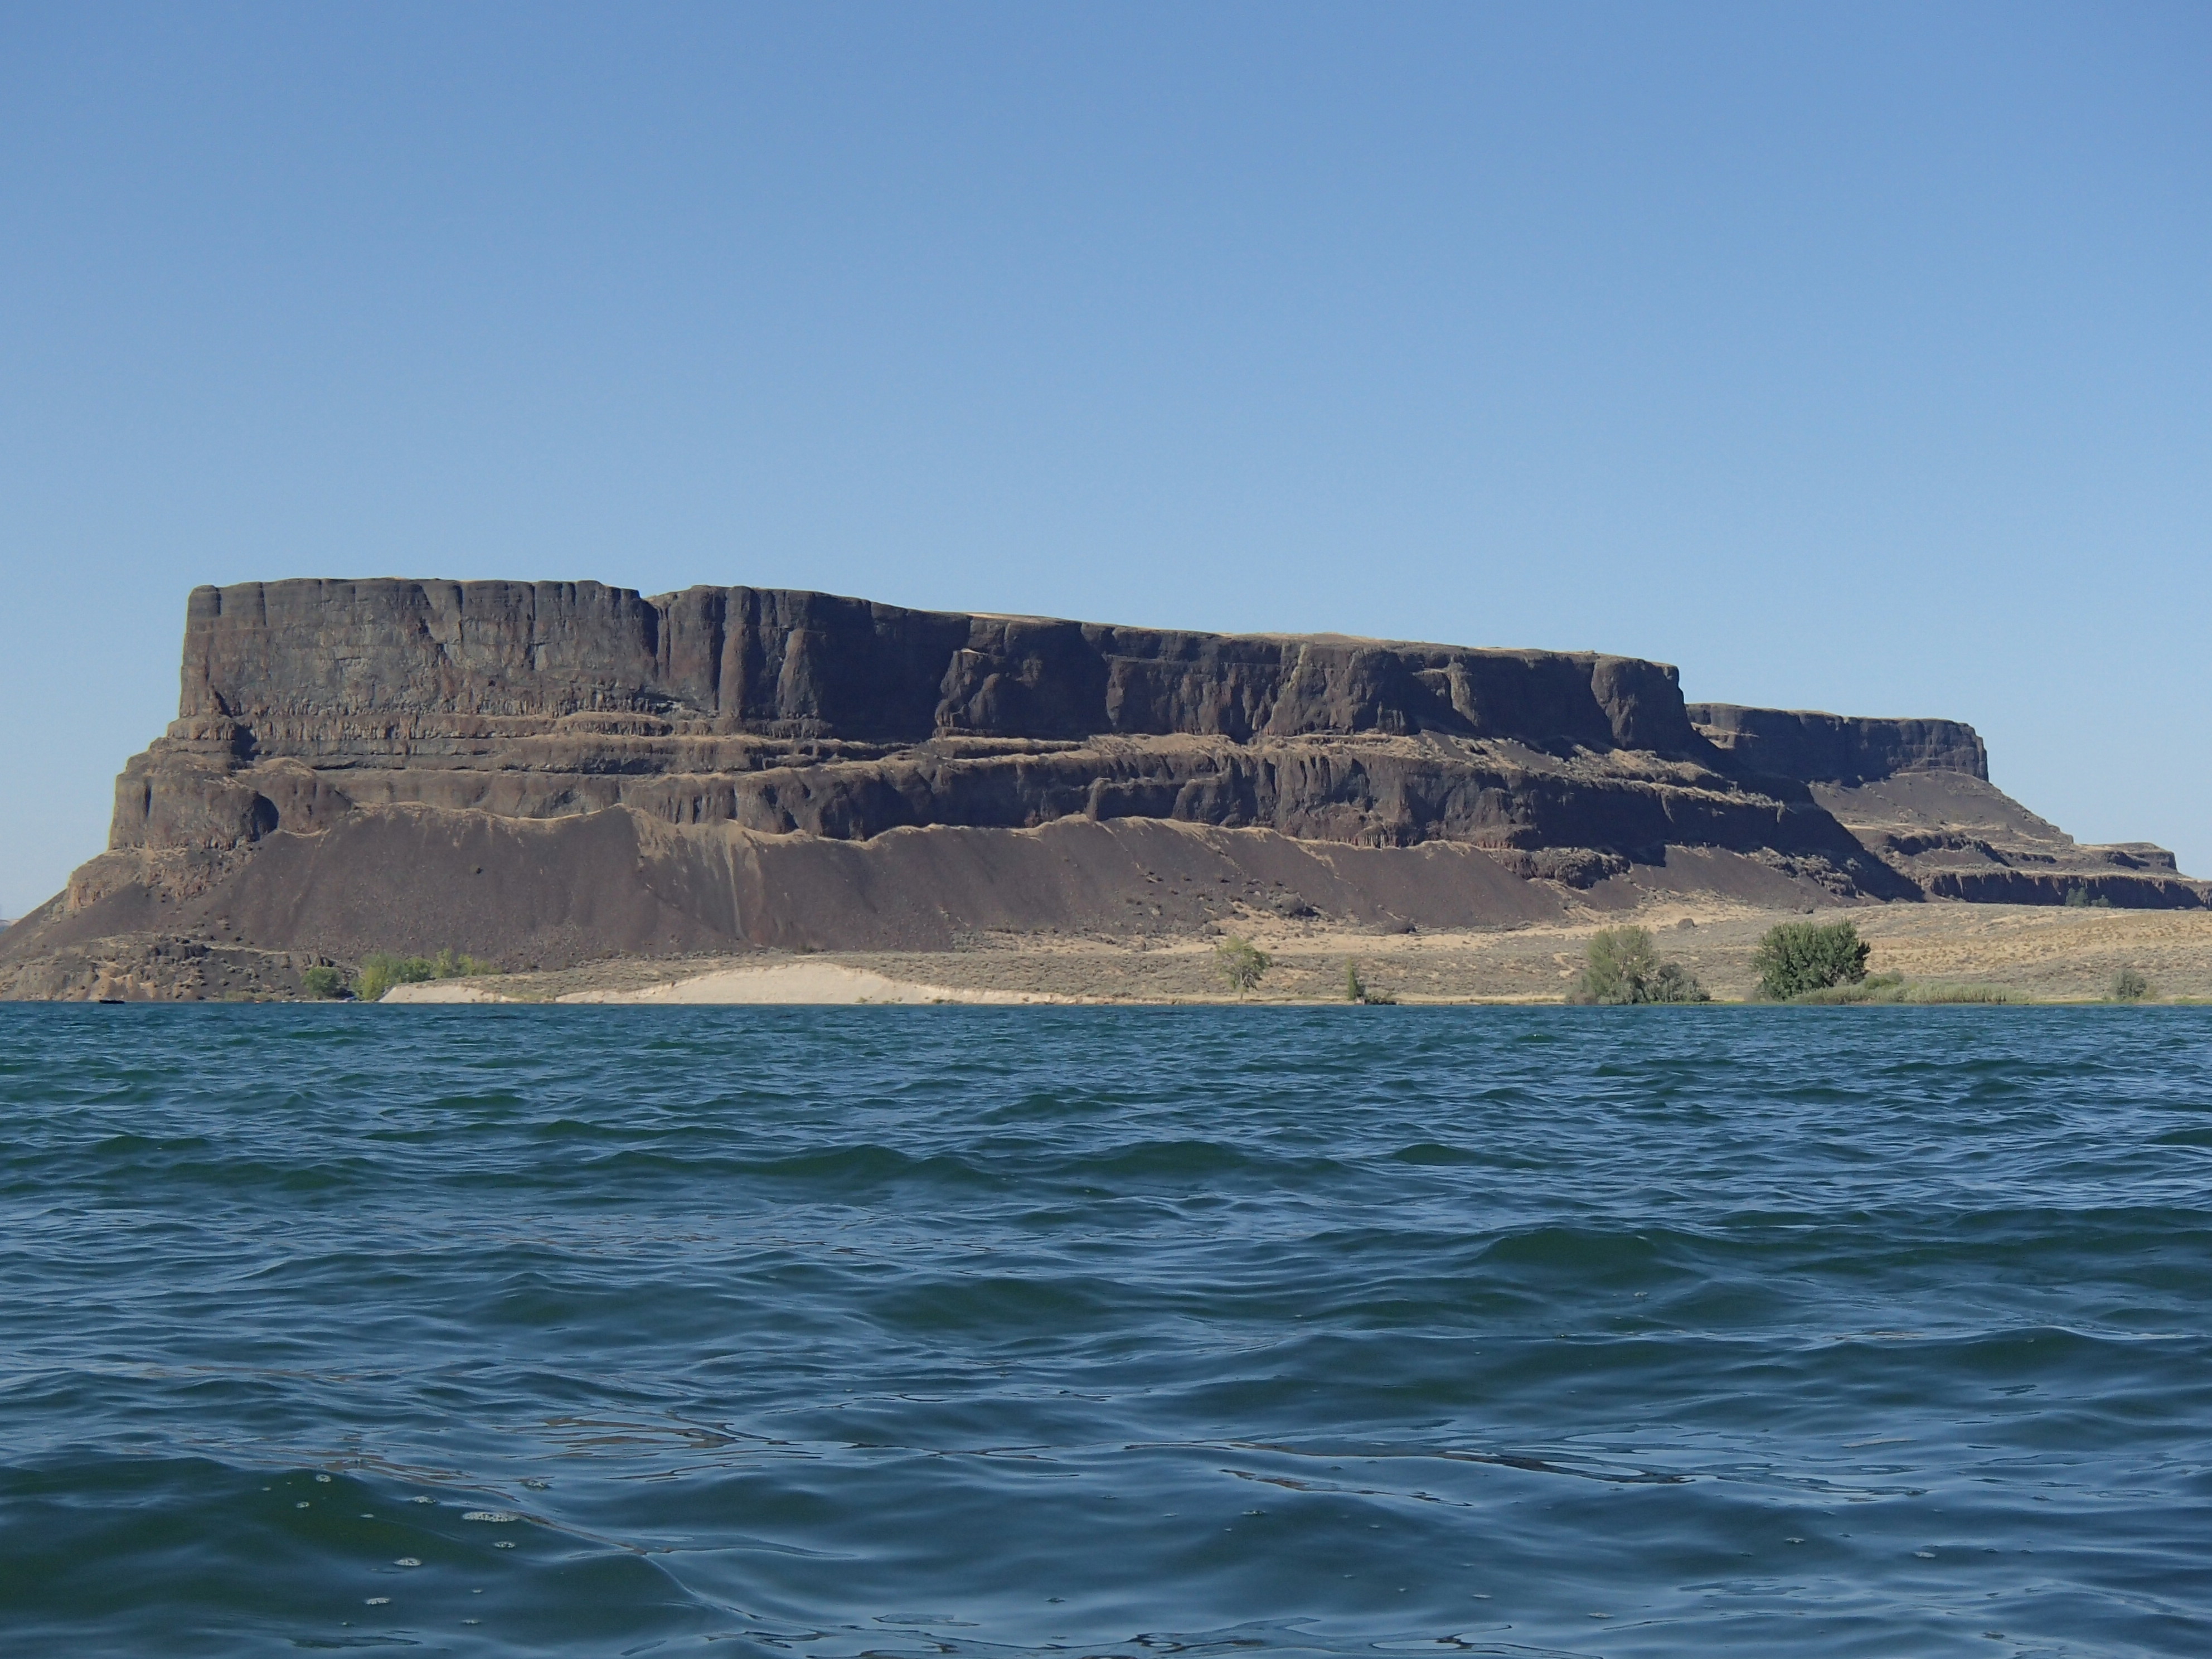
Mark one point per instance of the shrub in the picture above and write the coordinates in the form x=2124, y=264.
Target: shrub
x=1241, y=963
x=1622, y=966
x=323, y=984
x=1798, y=957
x=2129, y=986
x=1356, y=989
x=1617, y=964
x=2077, y=899
x=1675, y=983
x=381, y=970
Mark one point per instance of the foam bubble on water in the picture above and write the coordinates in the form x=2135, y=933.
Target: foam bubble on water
x=495, y=1515
x=378, y=1601
x=422, y=1500
x=407, y=1561
x=323, y=1479
x=538, y=1485
x=301, y=1504
x=504, y=1544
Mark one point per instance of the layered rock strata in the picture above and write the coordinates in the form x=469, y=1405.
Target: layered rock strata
x=550, y=771
x=1841, y=749
x=793, y=713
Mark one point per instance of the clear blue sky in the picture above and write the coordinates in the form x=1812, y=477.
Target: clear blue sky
x=1854, y=357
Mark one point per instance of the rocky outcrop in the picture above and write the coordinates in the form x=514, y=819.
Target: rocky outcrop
x=790, y=713
x=273, y=660
x=1956, y=836
x=1816, y=748
x=546, y=771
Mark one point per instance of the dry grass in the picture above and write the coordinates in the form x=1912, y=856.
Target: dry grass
x=2037, y=953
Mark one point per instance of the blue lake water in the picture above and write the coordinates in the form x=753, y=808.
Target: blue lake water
x=1106, y=1332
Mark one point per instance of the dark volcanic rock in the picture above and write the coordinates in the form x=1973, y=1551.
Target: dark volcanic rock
x=268, y=655
x=550, y=771
x=1815, y=748
x=1958, y=837
x=802, y=712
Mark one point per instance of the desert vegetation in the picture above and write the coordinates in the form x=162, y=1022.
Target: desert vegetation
x=1622, y=966
x=380, y=970
x=1800, y=957
x=1356, y=989
x=1241, y=963
x=1896, y=988
x=323, y=984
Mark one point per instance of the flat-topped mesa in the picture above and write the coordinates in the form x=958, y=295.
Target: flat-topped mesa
x=780, y=712
x=550, y=772
x=787, y=664
x=784, y=712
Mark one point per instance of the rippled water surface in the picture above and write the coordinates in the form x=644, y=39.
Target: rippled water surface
x=980, y=1331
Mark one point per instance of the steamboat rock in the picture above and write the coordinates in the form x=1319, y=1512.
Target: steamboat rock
x=542, y=773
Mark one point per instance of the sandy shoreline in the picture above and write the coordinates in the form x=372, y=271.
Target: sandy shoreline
x=807, y=983
x=802, y=981
x=2036, y=951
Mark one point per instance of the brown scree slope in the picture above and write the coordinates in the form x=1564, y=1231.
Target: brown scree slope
x=551, y=773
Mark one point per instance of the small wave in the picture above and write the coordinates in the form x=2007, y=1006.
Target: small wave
x=1086, y=1331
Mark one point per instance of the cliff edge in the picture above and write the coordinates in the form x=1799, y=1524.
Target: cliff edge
x=544, y=773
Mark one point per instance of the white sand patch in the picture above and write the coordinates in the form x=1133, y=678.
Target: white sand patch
x=444, y=990
x=800, y=982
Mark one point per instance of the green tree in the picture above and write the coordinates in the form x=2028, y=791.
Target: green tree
x=2129, y=986
x=1356, y=989
x=1241, y=963
x=1622, y=965
x=1798, y=957
x=381, y=970
x=1675, y=983
x=322, y=983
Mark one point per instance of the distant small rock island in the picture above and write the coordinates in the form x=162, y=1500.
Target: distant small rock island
x=552, y=772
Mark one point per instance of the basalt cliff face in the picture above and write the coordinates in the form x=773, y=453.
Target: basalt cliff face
x=543, y=772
